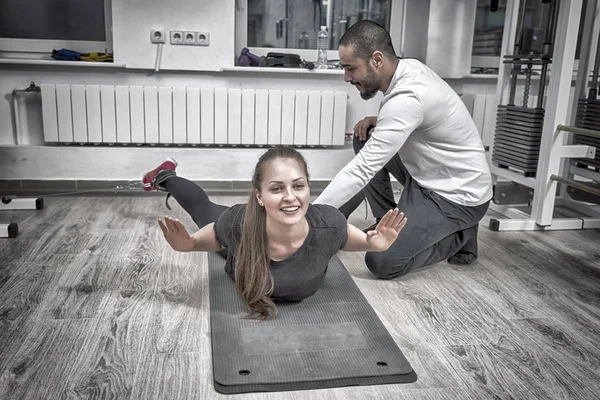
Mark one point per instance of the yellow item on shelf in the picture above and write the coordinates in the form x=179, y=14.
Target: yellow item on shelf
x=97, y=57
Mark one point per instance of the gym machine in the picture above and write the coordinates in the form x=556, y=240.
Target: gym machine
x=532, y=144
x=8, y=203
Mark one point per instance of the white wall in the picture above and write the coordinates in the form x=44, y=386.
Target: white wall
x=133, y=20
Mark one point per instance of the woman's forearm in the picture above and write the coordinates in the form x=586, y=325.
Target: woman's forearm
x=205, y=240
x=357, y=240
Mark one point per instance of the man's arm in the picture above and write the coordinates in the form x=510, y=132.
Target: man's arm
x=398, y=117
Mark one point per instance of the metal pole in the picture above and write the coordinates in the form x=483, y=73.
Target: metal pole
x=520, y=24
x=16, y=128
x=579, y=131
x=542, y=86
x=550, y=33
x=576, y=185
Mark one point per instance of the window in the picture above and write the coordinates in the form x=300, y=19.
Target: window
x=489, y=27
x=39, y=26
x=288, y=23
x=265, y=25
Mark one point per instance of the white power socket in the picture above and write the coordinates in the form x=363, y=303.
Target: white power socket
x=176, y=37
x=189, y=38
x=157, y=36
x=203, y=38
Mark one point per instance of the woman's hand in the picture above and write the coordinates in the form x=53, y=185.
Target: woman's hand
x=176, y=234
x=364, y=127
x=387, y=230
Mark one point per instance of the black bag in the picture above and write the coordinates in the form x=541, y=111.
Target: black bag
x=285, y=60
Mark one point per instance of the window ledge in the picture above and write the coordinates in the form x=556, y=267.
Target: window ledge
x=284, y=70
x=25, y=61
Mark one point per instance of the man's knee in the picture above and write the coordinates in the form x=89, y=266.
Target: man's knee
x=384, y=265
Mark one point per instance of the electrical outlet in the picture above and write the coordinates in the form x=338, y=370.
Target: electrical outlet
x=176, y=37
x=157, y=36
x=202, y=38
x=189, y=38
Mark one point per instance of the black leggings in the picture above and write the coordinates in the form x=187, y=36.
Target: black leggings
x=194, y=200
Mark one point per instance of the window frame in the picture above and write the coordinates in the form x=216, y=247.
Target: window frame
x=42, y=48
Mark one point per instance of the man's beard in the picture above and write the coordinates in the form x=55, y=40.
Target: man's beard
x=368, y=95
x=370, y=86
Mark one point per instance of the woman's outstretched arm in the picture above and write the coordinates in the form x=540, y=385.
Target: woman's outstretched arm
x=379, y=239
x=179, y=238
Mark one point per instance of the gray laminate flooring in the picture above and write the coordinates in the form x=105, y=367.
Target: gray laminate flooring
x=94, y=304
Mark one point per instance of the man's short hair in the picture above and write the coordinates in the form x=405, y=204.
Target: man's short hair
x=366, y=37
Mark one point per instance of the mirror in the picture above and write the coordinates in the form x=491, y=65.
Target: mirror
x=294, y=24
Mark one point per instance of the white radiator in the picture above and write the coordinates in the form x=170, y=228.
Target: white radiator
x=103, y=114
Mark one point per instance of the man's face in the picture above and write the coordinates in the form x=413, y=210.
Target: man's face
x=359, y=73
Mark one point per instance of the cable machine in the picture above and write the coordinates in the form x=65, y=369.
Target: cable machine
x=532, y=145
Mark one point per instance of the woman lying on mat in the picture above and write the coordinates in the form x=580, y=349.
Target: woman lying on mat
x=278, y=245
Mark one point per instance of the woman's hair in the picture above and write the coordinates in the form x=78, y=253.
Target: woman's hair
x=253, y=280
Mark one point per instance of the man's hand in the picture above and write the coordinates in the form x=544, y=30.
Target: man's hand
x=364, y=127
x=387, y=231
x=176, y=234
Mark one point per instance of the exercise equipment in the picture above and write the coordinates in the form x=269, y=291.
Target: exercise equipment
x=12, y=203
x=522, y=123
x=588, y=117
x=248, y=59
x=536, y=151
x=273, y=59
x=333, y=338
x=72, y=55
x=8, y=203
x=9, y=230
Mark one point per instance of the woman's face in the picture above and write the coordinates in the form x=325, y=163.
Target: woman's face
x=284, y=191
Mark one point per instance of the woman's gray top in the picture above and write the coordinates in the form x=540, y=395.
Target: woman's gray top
x=300, y=275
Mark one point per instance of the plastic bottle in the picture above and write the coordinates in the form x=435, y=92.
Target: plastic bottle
x=303, y=40
x=322, y=47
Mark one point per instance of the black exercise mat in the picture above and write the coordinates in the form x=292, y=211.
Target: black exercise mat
x=332, y=339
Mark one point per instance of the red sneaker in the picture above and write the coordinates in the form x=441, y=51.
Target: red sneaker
x=149, y=180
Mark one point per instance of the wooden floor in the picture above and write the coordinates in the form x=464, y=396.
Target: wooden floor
x=94, y=304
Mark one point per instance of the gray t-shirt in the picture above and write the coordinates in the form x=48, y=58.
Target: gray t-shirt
x=300, y=275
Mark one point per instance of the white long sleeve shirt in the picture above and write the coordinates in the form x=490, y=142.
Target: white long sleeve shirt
x=423, y=120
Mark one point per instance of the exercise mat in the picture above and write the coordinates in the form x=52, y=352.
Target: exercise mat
x=332, y=339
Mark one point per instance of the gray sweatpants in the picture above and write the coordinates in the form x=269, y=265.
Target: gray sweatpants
x=436, y=228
